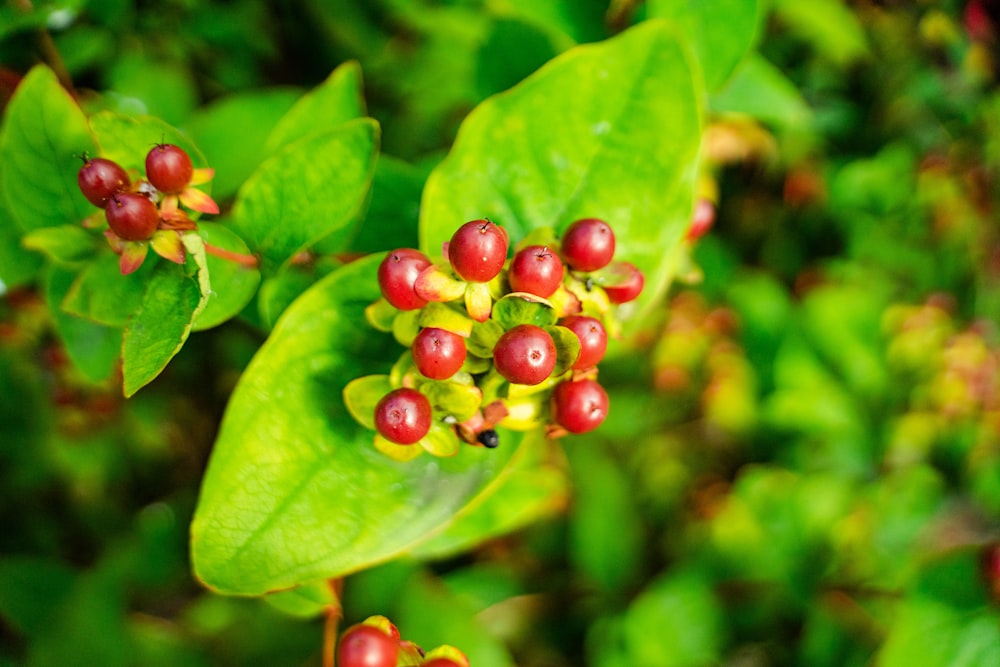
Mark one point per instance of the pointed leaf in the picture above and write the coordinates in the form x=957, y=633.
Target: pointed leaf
x=132, y=257
x=293, y=474
x=44, y=133
x=159, y=328
x=623, y=147
x=307, y=192
x=721, y=31
x=332, y=103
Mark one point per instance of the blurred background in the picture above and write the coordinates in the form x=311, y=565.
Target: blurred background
x=802, y=464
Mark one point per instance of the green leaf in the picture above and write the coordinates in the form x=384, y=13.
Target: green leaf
x=233, y=284
x=102, y=294
x=675, y=622
x=139, y=83
x=361, y=395
x=513, y=310
x=159, y=328
x=609, y=130
x=128, y=139
x=295, y=490
x=829, y=26
x=305, y=601
x=307, y=192
x=532, y=487
x=93, y=348
x=946, y=620
x=17, y=267
x=333, y=102
x=65, y=244
x=232, y=131
x=44, y=134
x=759, y=89
x=441, y=440
x=394, y=211
x=721, y=31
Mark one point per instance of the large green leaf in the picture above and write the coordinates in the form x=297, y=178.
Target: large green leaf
x=128, y=139
x=44, y=133
x=295, y=490
x=610, y=130
x=721, y=31
x=309, y=191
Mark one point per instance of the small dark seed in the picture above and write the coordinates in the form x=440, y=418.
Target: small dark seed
x=488, y=438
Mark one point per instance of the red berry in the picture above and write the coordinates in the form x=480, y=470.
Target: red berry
x=169, y=168
x=478, y=250
x=396, y=275
x=626, y=283
x=403, y=416
x=525, y=355
x=132, y=217
x=588, y=245
x=367, y=646
x=438, y=353
x=536, y=270
x=99, y=178
x=593, y=339
x=579, y=406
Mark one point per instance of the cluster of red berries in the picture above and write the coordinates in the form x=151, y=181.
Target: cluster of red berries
x=376, y=643
x=513, y=340
x=144, y=212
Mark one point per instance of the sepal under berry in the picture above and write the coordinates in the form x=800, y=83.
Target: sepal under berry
x=440, y=440
x=444, y=654
x=523, y=308
x=567, y=348
x=381, y=314
x=197, y=200
x=401, y=453
x=455, y=399
x=167, y=244
x=443, y=316
x=478, y=301
x=437, y=284
x=362, y=394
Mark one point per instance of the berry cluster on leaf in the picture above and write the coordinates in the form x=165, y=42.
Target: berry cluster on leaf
x=495, y=336
x=151, y=211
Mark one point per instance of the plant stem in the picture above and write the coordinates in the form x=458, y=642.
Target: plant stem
x=249, y=261
x=333, y=615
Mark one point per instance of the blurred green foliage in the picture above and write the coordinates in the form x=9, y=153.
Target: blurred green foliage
x=802, y=462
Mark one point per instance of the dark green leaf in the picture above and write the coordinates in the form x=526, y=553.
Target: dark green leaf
x=93, y=348
x=44, y=134
x=295, y=491
x=232, y=131
x=332, y=103
x=307, y=192
x=623, y=146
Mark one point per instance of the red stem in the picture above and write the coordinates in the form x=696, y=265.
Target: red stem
x=249, y=261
